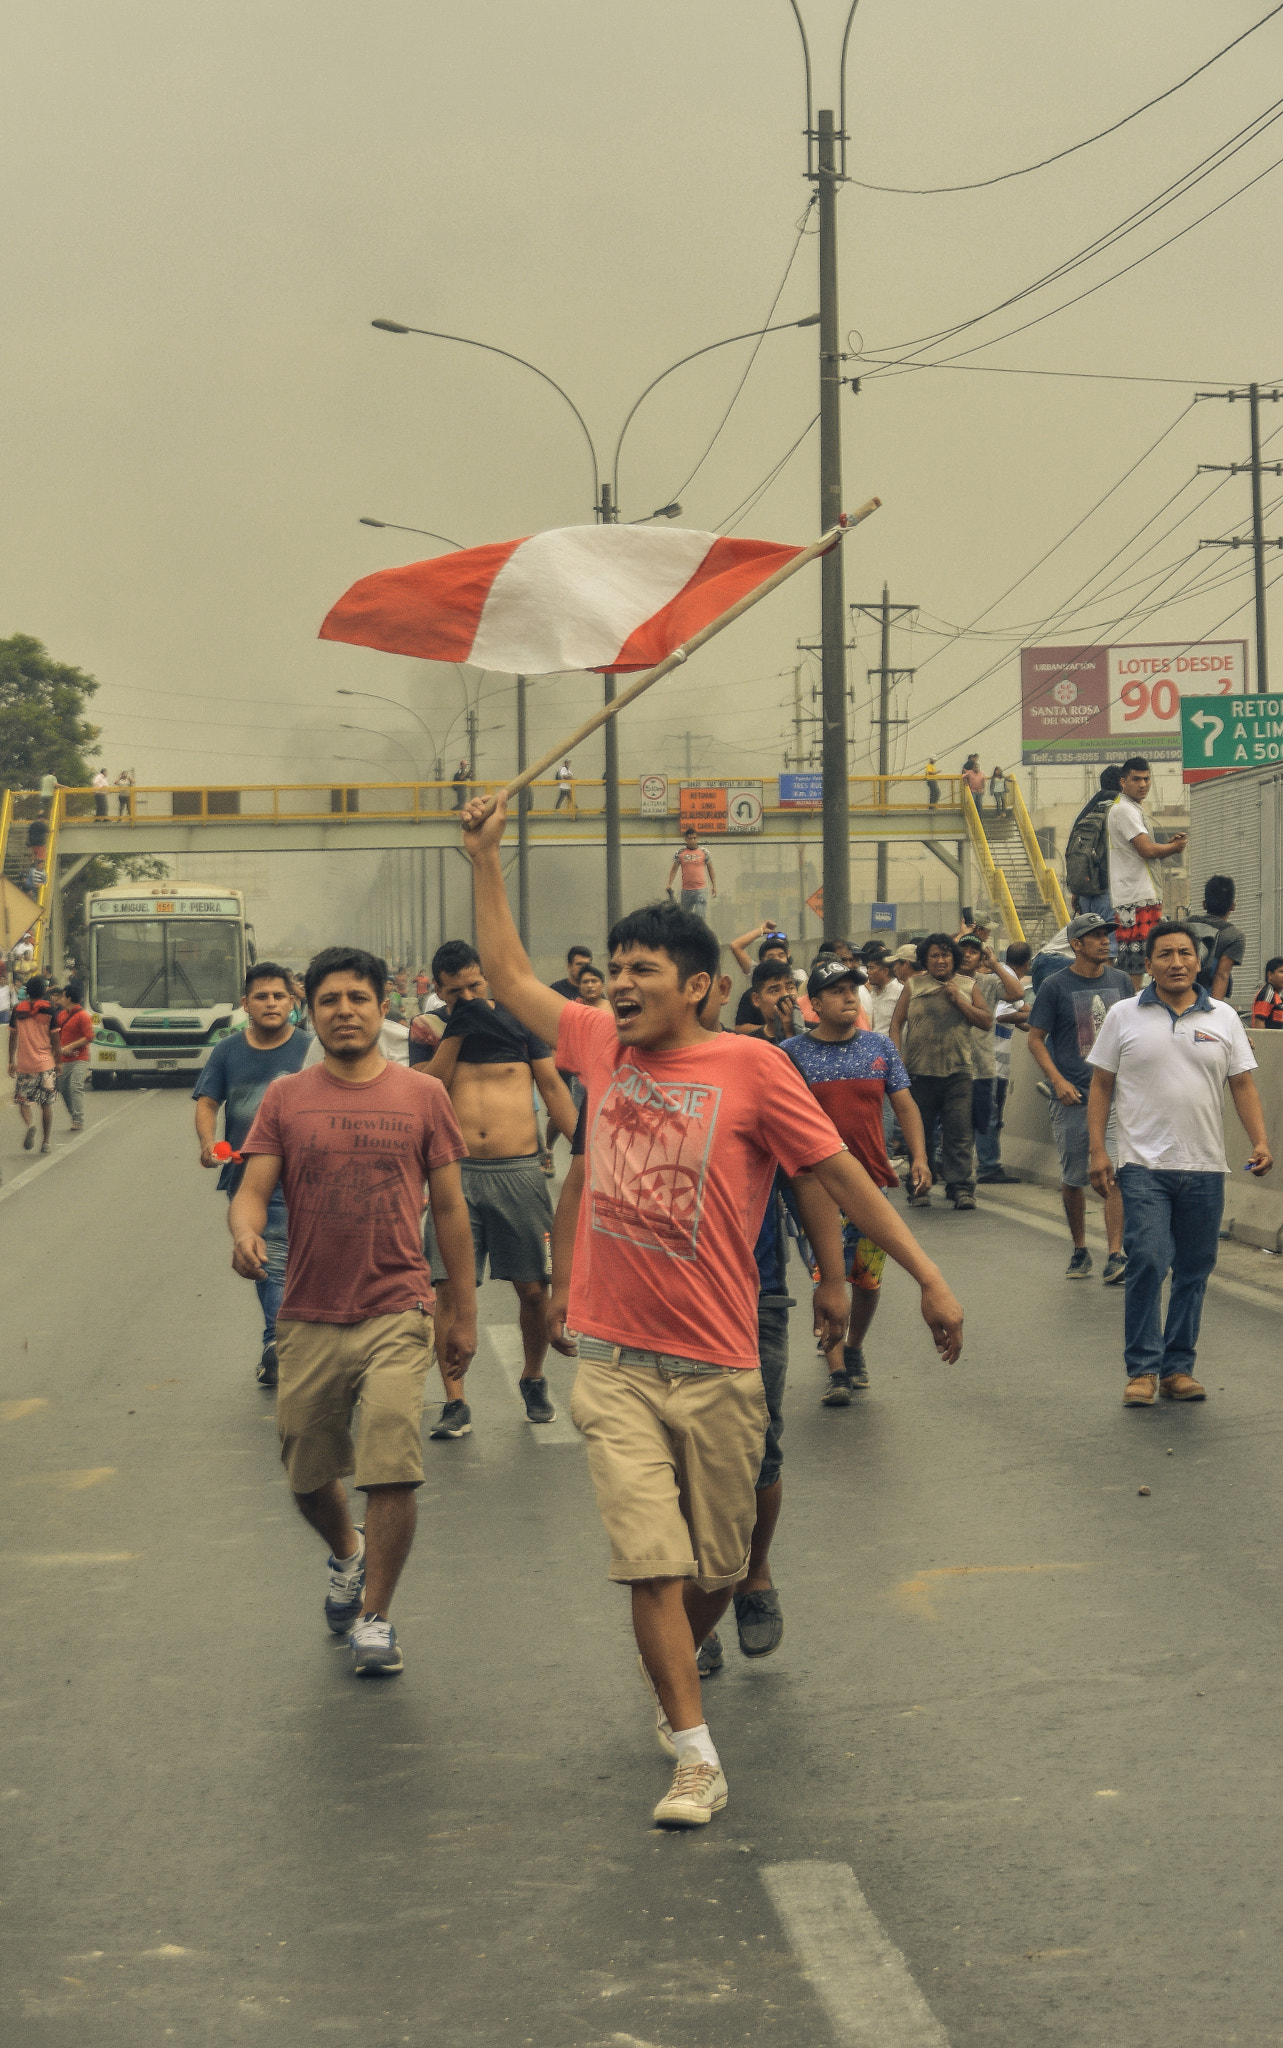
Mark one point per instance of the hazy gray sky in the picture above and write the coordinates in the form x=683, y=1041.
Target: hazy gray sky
x=208, y=205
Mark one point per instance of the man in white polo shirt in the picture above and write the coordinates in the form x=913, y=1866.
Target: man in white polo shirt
x=1162, y=1058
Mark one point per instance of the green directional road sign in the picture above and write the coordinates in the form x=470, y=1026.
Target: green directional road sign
x=1220, y=734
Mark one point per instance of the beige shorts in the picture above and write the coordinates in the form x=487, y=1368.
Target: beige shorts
x=674, y=1459
x=327, y=1370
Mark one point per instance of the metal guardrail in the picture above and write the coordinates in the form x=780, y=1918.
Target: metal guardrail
x=308, y=802
x=1044, y=874
x=995, y=880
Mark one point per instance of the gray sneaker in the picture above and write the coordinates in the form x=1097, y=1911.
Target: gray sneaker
x=374, y=1647
x=344, y=1600
x=1115, y=1270
x=1079, y=1267
x=454, y=1420
x=853, y=1366
x=534, y=1392
x=711, y=1655
x=837, y=1394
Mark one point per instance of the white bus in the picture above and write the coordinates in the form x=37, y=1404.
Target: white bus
x=166, y=970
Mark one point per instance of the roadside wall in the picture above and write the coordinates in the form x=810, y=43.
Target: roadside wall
x=1253, y=1209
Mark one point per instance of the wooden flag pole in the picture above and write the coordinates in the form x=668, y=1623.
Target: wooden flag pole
x=832, y=538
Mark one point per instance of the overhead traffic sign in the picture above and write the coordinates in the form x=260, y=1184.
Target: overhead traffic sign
x=1222, y=734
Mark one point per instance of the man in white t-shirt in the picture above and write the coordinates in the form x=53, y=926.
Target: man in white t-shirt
x=1162, y=1059
x=1132, y=889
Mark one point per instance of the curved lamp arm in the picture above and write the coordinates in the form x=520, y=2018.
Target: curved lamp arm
x=806, y=59
x=754, y=334
x=395, y=327
x=846, y=37
x=393, y=526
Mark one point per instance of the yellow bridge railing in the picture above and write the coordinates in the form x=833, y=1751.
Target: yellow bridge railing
x=1048, y=885
x=293, y=803
x=995, y=880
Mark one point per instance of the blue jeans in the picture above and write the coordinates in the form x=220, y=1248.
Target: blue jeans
x=696, y=900
x=271, y=1291
x=989, y=1140
x=1171, y=1222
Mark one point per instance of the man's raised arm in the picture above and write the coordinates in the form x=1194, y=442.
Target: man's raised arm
x=503, y=956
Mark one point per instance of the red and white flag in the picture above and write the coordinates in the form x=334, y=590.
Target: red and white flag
x=579, y=597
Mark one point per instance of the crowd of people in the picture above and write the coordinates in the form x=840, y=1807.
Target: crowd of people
x=374, y=1180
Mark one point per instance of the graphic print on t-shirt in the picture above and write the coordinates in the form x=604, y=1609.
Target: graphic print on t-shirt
x=375, y=1147
x=648, y=1161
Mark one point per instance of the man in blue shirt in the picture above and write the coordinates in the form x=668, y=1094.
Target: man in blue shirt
x=235, y=1077
x=1068, y=1012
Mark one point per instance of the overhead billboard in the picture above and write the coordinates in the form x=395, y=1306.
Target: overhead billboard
x=1098, y=704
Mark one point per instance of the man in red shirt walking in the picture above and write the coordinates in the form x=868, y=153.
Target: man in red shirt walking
x=694, y=864
x=684, y=1130
x=353, y=1140
x=33, y=1063
x=75, y=1036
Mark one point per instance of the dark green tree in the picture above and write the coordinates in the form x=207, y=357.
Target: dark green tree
x=43, y=727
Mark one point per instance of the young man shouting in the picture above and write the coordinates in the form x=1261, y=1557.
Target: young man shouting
x=487, y=1061
x=235, y=1078
x=352, y=1142
x=684, y=1133
x=852, y=1073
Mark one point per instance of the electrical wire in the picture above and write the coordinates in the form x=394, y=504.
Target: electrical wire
x=1090, y=513
x=745, y=506
x=1139, y=217
x=686, y=482
x=979, y=184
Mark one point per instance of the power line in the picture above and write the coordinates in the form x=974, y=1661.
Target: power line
x=746, y=505
x=979, y=184
x=1139, y=217
x=687, y=481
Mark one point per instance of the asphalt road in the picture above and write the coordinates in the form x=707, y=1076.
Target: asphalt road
x=1014, y=1776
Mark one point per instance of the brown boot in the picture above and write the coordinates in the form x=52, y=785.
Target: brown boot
x=1142, y=1392
x=1181, y=1386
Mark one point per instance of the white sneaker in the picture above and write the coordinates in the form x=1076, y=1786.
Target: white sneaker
x=697, y=1792
x=663, y=1726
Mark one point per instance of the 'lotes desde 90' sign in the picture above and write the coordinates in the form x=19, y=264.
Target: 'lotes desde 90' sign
x=1098, y=704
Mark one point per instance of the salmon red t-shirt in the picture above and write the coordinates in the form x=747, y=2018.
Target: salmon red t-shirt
x=31, y=1019
x=680, y=1154
x=693, y=861
x=354, y=1158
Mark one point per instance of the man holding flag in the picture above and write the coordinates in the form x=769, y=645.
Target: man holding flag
x=684, y=1131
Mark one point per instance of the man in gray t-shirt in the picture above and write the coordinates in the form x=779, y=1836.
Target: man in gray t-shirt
x=1068, y=1012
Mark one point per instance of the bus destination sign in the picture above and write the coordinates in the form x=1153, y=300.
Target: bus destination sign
x=164, y=906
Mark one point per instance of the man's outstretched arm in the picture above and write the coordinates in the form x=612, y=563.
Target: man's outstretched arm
x=503, y=956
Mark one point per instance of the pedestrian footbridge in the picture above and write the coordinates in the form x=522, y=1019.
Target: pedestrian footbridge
x=325, y=817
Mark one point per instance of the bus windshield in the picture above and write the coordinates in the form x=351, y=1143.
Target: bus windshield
x=149, y=963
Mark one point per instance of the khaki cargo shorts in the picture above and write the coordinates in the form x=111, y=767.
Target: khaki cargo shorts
x=674, y=1459
x=328, y=1371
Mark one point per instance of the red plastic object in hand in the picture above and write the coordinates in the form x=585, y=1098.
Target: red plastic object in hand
x=223, y=1150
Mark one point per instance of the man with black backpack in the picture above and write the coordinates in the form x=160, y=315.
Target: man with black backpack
x=1221, y=944
x=1087, y=850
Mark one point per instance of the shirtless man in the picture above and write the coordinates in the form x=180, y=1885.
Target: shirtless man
x=487, y=1061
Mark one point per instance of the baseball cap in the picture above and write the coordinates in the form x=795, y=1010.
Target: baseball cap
x=905, y=953
x=1078, y=927
x=829, y=972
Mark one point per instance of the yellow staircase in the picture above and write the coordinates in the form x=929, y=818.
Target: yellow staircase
x=1022, y=886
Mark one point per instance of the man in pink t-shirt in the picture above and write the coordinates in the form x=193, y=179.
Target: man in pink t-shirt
x=694, y=864
x=33, y=1063
x=352, y=1141
x=684, y=1131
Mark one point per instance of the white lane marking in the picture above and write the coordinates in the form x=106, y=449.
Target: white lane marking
x=861, y=1978
x=1241, y=1290
x=76, y=1143
x=505, y=1342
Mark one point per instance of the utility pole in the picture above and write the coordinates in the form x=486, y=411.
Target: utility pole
x=523, y=823
x=888, y=677
x=797, y=717
x=608, y=515
x=441, y=924
x=836, y=817
x=1258, y=541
